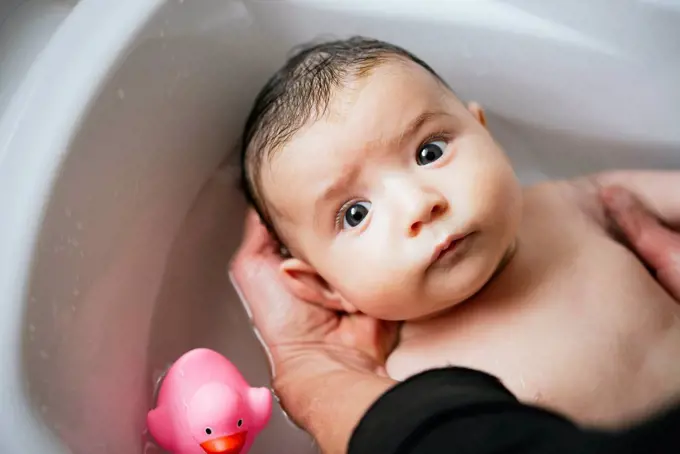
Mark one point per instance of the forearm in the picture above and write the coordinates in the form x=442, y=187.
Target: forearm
x=658, y=190
x=341, y=403
x=330, y=402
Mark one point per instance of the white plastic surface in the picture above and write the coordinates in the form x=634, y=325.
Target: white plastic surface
x=116, y=231
x=25, y=29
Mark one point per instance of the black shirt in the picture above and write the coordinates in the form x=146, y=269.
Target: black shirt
x=462, y=411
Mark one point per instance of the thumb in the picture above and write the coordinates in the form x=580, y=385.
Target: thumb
x=256, y=237
x=657, y=245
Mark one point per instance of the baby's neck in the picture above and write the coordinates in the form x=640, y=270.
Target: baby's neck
x=507, y=257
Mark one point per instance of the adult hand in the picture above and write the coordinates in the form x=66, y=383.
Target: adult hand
x=657, y=245
x=327, y=367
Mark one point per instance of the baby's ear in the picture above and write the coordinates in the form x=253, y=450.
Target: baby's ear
x=305, y=283
x=478, y=112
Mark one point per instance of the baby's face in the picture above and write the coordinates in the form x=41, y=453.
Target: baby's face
x=398, y=197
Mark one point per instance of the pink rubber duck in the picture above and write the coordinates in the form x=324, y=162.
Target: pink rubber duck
x=206, y=406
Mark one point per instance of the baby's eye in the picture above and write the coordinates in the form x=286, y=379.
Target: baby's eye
x=355, y=214
x=430, y=152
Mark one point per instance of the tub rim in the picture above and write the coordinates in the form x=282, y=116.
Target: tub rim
x=30, y=163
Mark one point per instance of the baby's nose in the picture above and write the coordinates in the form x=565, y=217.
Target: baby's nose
x=428, y=211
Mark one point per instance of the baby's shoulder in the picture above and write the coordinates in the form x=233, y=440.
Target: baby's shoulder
x=568, y=199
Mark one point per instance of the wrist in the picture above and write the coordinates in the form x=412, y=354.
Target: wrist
x=342, y=400
x=329, y=400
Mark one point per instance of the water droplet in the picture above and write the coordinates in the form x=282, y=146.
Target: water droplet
x=43, y=409
x=75, y=243
x=82, y=254
x=33, y=299
x=162, y=33
x=68, y=212
x=121, y=93
x=76, y=292
x=181, y=1
x=31, y=328
x=80, y=225
x=73, y=308
x=44, y=354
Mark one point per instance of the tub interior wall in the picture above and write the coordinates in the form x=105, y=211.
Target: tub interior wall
x=130, y=266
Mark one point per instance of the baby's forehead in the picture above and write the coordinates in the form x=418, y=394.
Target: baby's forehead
x=362, y=116
x=369, y=110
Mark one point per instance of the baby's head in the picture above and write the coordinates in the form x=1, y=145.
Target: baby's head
x=366, y=166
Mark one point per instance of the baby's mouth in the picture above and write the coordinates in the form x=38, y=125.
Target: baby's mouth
x=447, y=248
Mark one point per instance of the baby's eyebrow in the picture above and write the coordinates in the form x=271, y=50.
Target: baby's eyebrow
x=349, y=175
x=418, y=123
x=336, y=186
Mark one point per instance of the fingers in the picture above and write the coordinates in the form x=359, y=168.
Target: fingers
x=651, y=240
x=669, y=278
x=256, y=237
x=375, y=338
x=657, y=245
x=255, y=274
x=257, y=246
x=253, y=270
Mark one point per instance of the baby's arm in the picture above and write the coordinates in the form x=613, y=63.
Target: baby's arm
x=658, y=190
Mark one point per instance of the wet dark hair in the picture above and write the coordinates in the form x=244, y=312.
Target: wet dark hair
x=301, y=91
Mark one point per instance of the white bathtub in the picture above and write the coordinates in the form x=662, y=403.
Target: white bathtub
x=116, y=231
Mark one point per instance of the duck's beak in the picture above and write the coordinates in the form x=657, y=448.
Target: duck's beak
x=230, y=444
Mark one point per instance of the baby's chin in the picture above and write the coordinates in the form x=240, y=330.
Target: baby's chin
x=463, y=284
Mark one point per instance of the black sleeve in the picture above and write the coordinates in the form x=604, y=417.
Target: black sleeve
x=462, y=411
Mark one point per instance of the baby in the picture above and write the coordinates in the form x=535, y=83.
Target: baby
x=392, y=198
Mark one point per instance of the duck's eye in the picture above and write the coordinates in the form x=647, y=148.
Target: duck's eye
x=239, y=423
x=208, y=431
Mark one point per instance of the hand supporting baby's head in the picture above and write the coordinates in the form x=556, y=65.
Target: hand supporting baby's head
x=390, y=194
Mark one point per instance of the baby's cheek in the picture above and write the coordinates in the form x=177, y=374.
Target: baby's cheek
x=494, y=192
x=376, y=289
